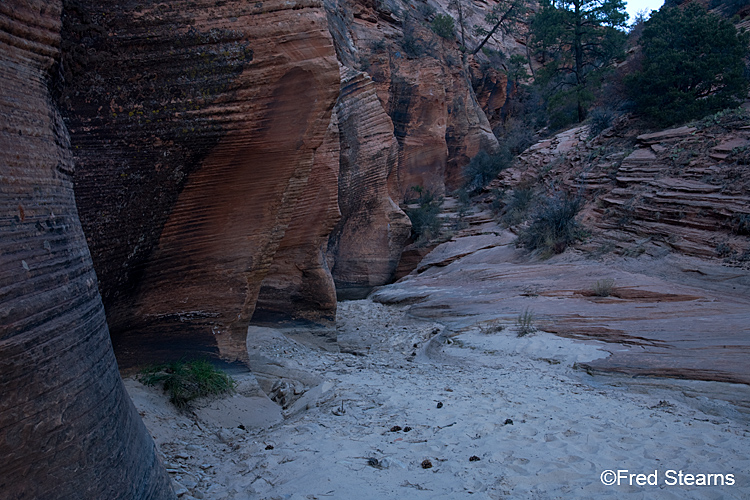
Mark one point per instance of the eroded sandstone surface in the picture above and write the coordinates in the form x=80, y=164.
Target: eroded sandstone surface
x=67, y=427
x=196, y=153
x=681, y=190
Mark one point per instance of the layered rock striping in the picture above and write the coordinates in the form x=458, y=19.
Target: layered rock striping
x=366, y=245
x=195, y=156
x=683, y=190
x=67, y=427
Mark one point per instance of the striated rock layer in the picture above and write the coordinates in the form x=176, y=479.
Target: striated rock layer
x=299, y=284
x=422, y=84
x=408, y=118
x=67, y=426
x=682, y=190
x=366, y=245
x=194, y=156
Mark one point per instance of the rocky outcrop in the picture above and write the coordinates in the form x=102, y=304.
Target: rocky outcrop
x=195, y=154
x=423, y=86
x=299, y=285
x=683, y=190
x=408, y=117
x=366, y=245
x=67, y=426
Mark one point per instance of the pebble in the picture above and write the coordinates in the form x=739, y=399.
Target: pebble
x=179, y=489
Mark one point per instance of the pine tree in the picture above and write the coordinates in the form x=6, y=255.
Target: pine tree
x=577, y=41
x=693, y=65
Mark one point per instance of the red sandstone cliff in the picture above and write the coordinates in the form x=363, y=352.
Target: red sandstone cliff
x=196, y=154
x=212, y=166
x=67, y=426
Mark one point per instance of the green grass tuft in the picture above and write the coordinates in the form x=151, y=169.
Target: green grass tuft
x=187, y=381
x=603, y=288
x=525, y=323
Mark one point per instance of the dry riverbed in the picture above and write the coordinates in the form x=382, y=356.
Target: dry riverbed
x=413, y=410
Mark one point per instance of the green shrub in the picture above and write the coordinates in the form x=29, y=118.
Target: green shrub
x=187, y=381
x=741, y=224
x=411, y=46
x=525, y=323
x=425, y=219
x=600, y=119
x=553, y=227
x=518, y=206
x=426, y=10
x=378, y=45
x=483, y=168
x=443, y=26
x=603, y=288
x=517, y=135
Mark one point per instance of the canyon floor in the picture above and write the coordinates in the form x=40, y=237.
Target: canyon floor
x=431, y=371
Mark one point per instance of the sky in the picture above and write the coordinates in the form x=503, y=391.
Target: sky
x=633, y=6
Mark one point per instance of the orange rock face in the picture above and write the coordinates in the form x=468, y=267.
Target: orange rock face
x=299, y=284
x=438, y=123
x=67, y=426
x=208, y=158
x=194, y=153
x=366, y=245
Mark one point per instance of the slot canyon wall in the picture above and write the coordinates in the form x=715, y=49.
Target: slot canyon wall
x=67, y=426
x=237, y=161
x=169, y=172
x=196, y=153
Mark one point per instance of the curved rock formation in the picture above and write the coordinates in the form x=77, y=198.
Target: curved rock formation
x=366, y=245
x=67, y=426
x=299, y=285
x=422, y=84
x=194, y=151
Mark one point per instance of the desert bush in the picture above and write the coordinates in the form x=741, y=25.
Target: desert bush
x=741, y=224
x=553, y=227
x=425, y=219
x=464, y=206
x=518, y=136
x=443, y=26
x=411, y=45
x=724, y=250
x=426, y=10
x=525, y=323
x=492, y=326
x=378, y=45
x=484, y=167
x=603, y=288
x=187, y=381
x=600, y=119
x=518, y=206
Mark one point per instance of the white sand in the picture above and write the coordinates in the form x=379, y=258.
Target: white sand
x=568, y=427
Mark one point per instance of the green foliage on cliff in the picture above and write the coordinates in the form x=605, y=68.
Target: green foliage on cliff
x=444, y=26
x=693, y=65
x=484, y=167
x=425, y=217
x=185, y=382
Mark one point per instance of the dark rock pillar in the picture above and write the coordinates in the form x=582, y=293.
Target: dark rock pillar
x=67, y=426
